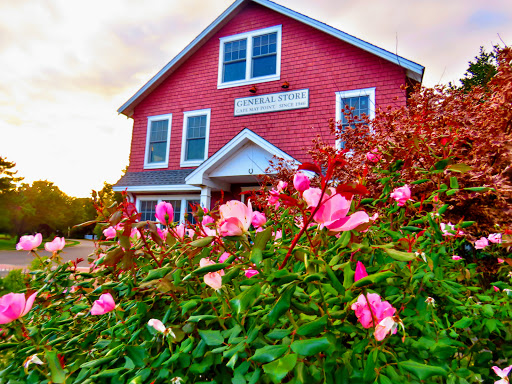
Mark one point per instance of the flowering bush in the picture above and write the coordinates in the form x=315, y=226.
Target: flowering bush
x=321, y=287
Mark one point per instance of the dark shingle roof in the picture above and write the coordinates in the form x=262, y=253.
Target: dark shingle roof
x=165, y=177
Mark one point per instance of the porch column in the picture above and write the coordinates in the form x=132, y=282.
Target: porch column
x=206, y=196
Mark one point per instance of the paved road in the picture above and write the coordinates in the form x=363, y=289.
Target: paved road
x=21, y=259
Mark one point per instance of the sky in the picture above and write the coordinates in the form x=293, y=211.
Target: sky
x=66, y=66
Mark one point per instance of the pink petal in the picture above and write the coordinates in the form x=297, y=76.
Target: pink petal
x=29, y=303
x=214, y=280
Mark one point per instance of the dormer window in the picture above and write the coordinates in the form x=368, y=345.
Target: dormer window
x=248, y=58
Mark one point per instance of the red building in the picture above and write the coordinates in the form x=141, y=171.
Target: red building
x=261, y=80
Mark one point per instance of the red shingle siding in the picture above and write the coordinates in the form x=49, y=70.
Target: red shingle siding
x=309, y=59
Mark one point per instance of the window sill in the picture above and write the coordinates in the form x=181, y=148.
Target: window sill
x=256, y=80
x=155, y=166
x=191, y=163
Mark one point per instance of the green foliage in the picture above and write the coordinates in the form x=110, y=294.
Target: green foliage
x=13, y=282
x=481, y=70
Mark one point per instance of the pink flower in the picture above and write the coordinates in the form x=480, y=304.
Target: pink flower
x=250, y=273
x=157, y=325
x=333, y=210
x=15, y=305
x=223, y=257
x=500, y=261
x=236, y=218
x=278, y=235
x=401, y=195
x=213, y=279
x=164, y=212
x=502, y=373
x=449, y=229
x=301, y=182
x=162, y=233
x=281, y=186
x=56, y=245
x=207, y=220
x=110, y=233
x=385, y=326
x=360, y=271
x=495, y=238
x=373, y=156
x=135, y=233
x=258, y=219
x=381, y=309
x=29, y=242
x=103, y=305
x=496, y=289
x=456, y=258
x=482, y=243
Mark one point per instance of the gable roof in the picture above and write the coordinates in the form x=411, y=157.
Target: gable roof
x=246, y=150
x=413, y=70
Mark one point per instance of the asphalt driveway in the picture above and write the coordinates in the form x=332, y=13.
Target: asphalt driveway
x=22, y=259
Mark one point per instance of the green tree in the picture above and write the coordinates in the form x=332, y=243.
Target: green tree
x=8, y=179
x=480, y=71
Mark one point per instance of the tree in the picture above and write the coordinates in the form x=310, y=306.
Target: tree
x=7, y=176
x=482, y=70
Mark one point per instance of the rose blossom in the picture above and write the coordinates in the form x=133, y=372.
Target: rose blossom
x=373, y=156
x=360, y=271
x=381, y=309
x=103, y=305
x=482, y=243
x=29, y=242
x=164, y=212
x=235, y=218
x=494, y=238
x=301, y=182
x=502, y=373
x=258, y=219
x=15, y=305
x=401, y=195
x=56, y=245
x=110, y=233
x=456, y=258
x=213, y=279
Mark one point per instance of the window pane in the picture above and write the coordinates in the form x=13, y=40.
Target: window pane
x=234, y=71
x=147, y=209
x=157, y=152
x=158, y=141
x=360, y=105
x=190, y=204
x=264, y=66
x=195, y=149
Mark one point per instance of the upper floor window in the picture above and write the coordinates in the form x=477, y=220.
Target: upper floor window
x=250, y=57
x=360, y=102
x=157, y=141
x=196, y=132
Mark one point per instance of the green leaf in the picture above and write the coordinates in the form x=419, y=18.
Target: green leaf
x=374, y=278
x=278, y=369
x=310, y=347
x=262, y=238
x=479, y=189
x=269, y=353
x=451, y=192
x=155, y=274
x=422, y=371
x=463, y=323
x=411, y=228
x=209, y=268
x=441, y=164
x=245, y=299
x=420, y=181
x=334, y=280
x=196, y=319
x=348, y=276
x=399, y=255
x=58, y=374
x=202, y=242
x=277, y=334
x=282, y=305
x=203, y=366
x=211, y=338
x=137, y=354
x=313, y=328
x=454, y=184
x=462, y=168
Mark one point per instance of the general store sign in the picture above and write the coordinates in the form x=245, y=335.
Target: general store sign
x=272, y=102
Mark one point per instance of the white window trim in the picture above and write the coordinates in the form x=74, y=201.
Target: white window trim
x=248, y=36
x=186, y=115
x=160, y=164
x=355, y=93
x=160, y=198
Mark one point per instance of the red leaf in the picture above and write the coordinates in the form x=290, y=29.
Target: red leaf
x=310, y=167
x=288, y=200
x=350, y=189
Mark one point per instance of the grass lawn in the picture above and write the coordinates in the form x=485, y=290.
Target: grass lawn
x=9, y=244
